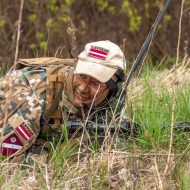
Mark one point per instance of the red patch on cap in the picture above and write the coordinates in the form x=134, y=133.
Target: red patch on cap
x=98, y=52
x=11, y=145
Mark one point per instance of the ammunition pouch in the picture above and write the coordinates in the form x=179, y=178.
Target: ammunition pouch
x=54, y=85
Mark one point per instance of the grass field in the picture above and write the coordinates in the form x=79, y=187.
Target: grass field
x=154, y=157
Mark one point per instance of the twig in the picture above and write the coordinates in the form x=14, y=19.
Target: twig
x=179, y=33
x=45, y=51
x=72, y=30
x=47, y=177
x=174, y=94
x=158, y=174
x=84, y=126
x=171, y=131
x=18, y=33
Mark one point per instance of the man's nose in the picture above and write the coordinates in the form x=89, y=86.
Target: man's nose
x=83, y=87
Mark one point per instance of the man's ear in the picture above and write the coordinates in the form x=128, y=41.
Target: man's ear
x=114, y=78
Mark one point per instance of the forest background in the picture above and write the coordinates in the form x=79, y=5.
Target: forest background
x=49, y=27
x=157, y=156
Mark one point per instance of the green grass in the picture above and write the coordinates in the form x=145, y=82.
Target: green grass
x=2, y=71
x=137, y=162
x=155, y=113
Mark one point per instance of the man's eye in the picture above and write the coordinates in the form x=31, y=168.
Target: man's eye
x=95, y=84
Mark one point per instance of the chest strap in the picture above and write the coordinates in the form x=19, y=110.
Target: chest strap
x=55, y=102
x=53, y=97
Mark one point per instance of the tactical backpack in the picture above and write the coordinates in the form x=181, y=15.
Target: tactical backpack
x=54, y=89
x=42, y=61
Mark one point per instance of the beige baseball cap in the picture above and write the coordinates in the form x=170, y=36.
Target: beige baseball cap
x=100, y=60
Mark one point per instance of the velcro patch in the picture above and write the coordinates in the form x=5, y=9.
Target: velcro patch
x=22, y=129
x=98, y=52
x=23, y=132
x=11, y=145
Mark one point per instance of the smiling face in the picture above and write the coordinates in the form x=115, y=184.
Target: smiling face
x=85, y=88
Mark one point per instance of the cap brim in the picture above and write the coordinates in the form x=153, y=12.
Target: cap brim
x=95, y=70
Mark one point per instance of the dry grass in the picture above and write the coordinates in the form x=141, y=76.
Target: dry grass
x=113, y=170
x=121, y=165
x=162, y=79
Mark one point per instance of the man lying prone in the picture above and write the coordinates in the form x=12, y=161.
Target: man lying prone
x=36, y=101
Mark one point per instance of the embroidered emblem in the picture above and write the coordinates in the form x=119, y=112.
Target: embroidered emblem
x=98, y=52
x=11, y=145
x=13, y=139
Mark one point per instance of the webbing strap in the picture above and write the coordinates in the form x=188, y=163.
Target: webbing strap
x=120, y=75
x=112, y=86
x=46, y=116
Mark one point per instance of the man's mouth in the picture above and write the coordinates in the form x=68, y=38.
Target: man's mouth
x=81, y=97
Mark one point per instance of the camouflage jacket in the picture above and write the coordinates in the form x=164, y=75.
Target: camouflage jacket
x=23, y=100
x=22, y=103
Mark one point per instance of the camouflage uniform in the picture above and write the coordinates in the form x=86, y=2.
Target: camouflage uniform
x=23, y=99
x=26, y=96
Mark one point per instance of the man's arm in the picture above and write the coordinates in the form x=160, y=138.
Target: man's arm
x=20, y=112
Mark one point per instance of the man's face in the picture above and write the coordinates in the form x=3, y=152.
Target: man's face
x=85, y=88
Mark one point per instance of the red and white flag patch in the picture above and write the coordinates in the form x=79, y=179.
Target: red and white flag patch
x=11, y=145
x=23, y=132
x=98, y=52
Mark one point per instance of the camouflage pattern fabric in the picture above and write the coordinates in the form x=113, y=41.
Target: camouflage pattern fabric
x=22, y=92
x=23, y=99
x=22, y=95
